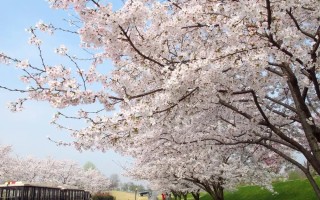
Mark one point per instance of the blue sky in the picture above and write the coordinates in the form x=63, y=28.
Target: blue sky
x=27, y=131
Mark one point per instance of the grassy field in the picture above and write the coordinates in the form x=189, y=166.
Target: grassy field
x=126, y=196
x=289, y=190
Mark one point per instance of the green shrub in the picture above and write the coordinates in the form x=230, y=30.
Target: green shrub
x=103, y=196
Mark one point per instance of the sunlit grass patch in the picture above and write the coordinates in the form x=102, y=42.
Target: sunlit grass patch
x=288, y=190
x=120, y=195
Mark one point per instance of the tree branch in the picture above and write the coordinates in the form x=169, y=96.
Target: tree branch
x=136, y=96
x=13, y=90
x=224, y=103
x=255, y=98
x=145, y=94
x=96, y=3
x=269, y=13
x=137, y=50
x=281, y=103
x=282, y=114
x=198, y=25
x=79, y=70
x=174, y=105
x=279, y=73
x=285, y=51
x=175, y=4
x=228, y=122
x=289, y=12
x=283, y=155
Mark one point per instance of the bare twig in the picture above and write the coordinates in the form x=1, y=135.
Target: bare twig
x=79, y=70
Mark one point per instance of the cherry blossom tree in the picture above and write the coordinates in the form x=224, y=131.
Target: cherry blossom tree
x=69, y=173
x=50, y=171
x=238, y=72
x=93, y=180
x=190, y=167
x=6, y=160
x=115, y=181
x=174, y=163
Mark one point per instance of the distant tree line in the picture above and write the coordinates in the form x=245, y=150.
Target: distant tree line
x=127, y=186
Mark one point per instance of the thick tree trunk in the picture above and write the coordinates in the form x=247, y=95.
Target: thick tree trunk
x=185, y=196
x=175, y=195
x=220, y=195
x=214, y=188
x=313, y=184
x=310, y=129
x=216, y=196
x=196, y=195
x=215, y=191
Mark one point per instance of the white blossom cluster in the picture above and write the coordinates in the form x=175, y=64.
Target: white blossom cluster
x=50, y=171
x=62, y=50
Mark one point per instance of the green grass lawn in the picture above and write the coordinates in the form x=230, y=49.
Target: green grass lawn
x=289, y=190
